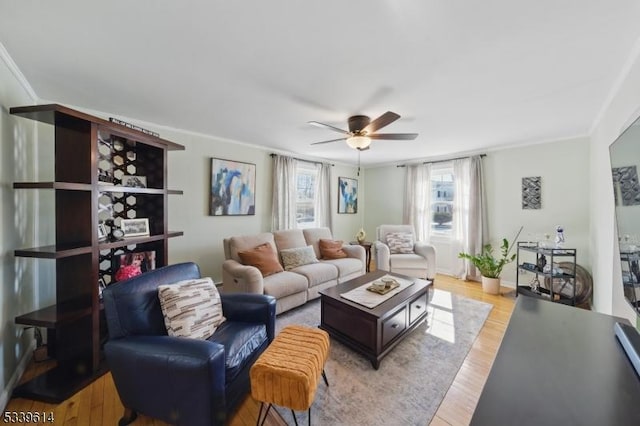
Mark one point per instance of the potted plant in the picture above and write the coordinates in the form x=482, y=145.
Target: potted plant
x=490, y=266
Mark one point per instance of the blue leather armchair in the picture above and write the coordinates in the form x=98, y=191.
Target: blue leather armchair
x=175, y=379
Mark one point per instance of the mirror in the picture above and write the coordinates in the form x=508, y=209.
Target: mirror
x=625, y=166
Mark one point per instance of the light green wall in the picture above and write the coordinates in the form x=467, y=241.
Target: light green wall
x=622, y=109
x=189, y=170
x=563, y=166
x=384, y=195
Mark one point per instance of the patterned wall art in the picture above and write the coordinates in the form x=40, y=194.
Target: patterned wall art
x=233, y=188
x=347, y=195
x=531, y=193
x=626, y=188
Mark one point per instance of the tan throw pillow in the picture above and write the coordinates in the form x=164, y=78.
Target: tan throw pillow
x=294, y=257
x=400, y=242
x=191, y=308
x=330, y=249
x=263, y=257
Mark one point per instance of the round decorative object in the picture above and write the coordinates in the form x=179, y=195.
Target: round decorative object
x=361, y=235
x=584, y=283
x=117, y=234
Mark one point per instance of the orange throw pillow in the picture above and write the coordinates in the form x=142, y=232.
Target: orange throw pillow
x=330, y=249
x=263, y=257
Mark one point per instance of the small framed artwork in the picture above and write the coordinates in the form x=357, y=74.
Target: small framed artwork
x=347, y=195
x=233, y=188
x=135, y=227
x=102, y=232
x=134, y=181
x=129, y=265
x=532, y=193
x=626, y=189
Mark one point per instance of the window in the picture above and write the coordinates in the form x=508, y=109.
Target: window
x=306, y=177
x=442, y=191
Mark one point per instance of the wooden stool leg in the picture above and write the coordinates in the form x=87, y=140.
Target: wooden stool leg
x=324, y=376
x=258, y=423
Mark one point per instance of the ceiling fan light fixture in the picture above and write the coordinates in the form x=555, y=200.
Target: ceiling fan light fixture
x=358, y=142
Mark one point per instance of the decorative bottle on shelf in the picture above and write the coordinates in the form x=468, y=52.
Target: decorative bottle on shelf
x=559, y=236
x=361, y=235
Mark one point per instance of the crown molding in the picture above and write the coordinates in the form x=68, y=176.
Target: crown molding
x=633, y=57
x=13, y=67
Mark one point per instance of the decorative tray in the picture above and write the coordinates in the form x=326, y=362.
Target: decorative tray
x=385, y=290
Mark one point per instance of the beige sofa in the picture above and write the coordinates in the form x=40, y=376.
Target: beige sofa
x=294, y=287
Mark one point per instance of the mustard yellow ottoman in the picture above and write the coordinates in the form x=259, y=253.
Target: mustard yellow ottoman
x=287, y=372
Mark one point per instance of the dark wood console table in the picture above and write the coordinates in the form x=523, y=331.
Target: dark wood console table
x=367, y=252
x=559, y=365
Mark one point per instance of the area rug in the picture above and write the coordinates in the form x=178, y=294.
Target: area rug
x=412, y=379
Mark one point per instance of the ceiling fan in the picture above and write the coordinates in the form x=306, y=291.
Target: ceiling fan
x=362, y=131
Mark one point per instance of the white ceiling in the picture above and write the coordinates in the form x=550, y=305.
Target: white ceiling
x=465, y=75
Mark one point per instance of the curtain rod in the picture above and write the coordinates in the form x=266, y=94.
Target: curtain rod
x=302, y=159
x=444, y=161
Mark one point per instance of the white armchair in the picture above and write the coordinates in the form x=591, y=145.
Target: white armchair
x=413, y=258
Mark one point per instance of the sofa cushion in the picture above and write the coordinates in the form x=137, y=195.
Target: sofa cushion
x=290, y=238
x=294, y=257
x=313, y=235
x=317, y=273
x=408, y=261
x=240, y=340
x=191, y=308
x=346, y=266
x=284, y=284
x=246, y=242
x=400, y=242
x=330, y=249
x=262, y=257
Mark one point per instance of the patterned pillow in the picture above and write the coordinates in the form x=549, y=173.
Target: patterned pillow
x=294, y=257
x=191, y=308
x=263, y=257
x=400, y=242
x=330, y=249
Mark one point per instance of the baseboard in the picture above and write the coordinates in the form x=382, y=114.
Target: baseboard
x=505, y=283
x=17, y=374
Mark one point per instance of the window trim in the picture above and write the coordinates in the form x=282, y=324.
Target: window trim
x=441, y=169
x=307, y=168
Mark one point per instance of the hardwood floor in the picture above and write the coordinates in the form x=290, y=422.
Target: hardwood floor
x=99, y=404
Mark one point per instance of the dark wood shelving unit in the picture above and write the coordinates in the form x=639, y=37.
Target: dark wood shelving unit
x=52, y=316
x=54, y=252
x=70, y=186
x=86, y=146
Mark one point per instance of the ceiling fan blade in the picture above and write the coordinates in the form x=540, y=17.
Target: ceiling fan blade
x=332, y=140
x=384, y=120
x=317, y=124
x=394, y=136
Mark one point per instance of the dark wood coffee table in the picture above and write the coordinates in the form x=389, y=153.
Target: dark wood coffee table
x=373, y=332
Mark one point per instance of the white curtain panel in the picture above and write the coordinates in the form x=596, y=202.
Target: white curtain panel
x=469, y=228
x=283, y=210
x=323, y=196
x=417, y=200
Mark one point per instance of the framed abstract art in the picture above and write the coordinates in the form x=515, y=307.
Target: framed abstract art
x=233, y=188
x=347, y=195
